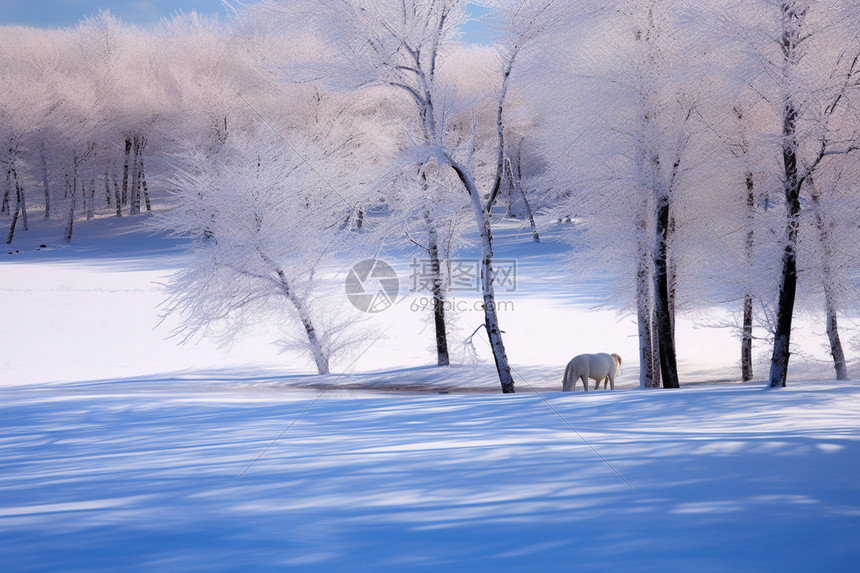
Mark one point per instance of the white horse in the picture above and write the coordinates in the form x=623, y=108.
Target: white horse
x=600, y=367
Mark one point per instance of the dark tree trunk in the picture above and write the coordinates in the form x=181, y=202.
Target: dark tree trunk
x=442, y=356
x=785, y=309
x=117, y=198
x=141, y=177
x=746, y=340
x=4, y=206
x=747, y=327
x=23, y=198
x=672, y=278
x=45, y=186
x=788, y=279
x=91, y=204
x=134, y=192
x=108, y=194
x=20, y=209
x=146, y=200
x=12, y=226
x=662, y=305
x=73, y=193
x=125, y=167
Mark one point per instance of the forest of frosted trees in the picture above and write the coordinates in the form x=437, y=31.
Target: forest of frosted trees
x=705, y=155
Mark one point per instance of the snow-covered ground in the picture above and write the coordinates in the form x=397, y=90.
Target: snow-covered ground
x=120, y=451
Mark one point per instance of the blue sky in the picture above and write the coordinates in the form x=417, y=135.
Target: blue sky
x=61, y=13
x=54, y=13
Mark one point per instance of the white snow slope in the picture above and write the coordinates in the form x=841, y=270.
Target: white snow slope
x=122, y=452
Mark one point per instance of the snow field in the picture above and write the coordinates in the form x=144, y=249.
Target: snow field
x=182, y=476
x=122, y=451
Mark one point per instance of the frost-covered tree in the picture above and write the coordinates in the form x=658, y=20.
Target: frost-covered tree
x=399, y=45
x=627, y=159
x=802, y=56
x=261, y=221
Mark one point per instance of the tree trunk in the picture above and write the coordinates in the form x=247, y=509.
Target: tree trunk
x=515, y=183
x=442, y=356
x=45, y=181
x=125, y=168
x=4, y=206
x=142, y=177
x=836, y=352
x=788, y=279
x=662, y=303
x=320, y=354
x=785, y=309
x=91, y=203
x=791, y=39
x=829, y=296
x=134, y=192
x=321, y=358
x=117, y=198
x=746, y=340
x=73, y=190
x=672, y=280
x=649, y=376
x=491, y=318
x=535, y=235
x=655, y=348
x=19, y=208
x=438, y=284
x=108, y=194
x=24, y=209
x=749, y=245
x=146, y=200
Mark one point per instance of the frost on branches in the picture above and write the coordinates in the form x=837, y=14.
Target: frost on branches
x=399, y=45
x=262, y=221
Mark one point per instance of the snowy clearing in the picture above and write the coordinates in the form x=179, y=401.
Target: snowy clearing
x=121, y=451
x=185, y=476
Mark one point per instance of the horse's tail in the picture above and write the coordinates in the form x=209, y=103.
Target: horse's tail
x=617, y=362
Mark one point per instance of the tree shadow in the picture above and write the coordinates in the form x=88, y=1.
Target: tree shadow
x=740, y=479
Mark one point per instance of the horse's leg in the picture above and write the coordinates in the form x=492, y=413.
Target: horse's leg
x=585, y=381
x=611, y=379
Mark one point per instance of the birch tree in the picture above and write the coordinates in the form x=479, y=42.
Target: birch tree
x=400, y=45
x=803, y=55
x=627, y=158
